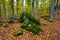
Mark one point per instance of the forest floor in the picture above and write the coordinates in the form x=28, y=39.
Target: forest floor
x=50, y=32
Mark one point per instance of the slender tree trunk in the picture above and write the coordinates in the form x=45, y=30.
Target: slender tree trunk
x=57, y=12
x=22, y=5
x=52, y=10
x=23, y=9
x=17, y=8
x=57, y=9
x=33, y=8
x=37, y=3
x=12, y=8
x=4, y=10
x=4, y=7
x=0, y=12
x=59, y=6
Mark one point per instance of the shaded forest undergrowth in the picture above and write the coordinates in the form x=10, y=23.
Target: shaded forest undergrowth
x=51, y=31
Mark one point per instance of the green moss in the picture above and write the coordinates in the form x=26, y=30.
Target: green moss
x=36, y=27
x=33, y=19
x=23, y=26
x=31, y=27
x=21, y=18
x=1, y=23
x=34, y=31
x=18, y=32
x=10, y=21
x=30, y=18
x=31, y=24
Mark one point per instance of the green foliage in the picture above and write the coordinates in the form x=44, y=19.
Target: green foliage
x=1, y=23
x=31, y=27
x=30, y=18
x=28, y=2
x=26, y=26
x=37, y=28
x=33, y=19
x=35, y=32
x=21, y=19
x=18, y=32
x=10, y=21
x=28, y=22
x=31, y=24
x=23, y=26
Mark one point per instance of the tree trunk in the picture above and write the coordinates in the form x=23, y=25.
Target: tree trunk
x=17, y=8
x=37, y=3
x=12, y=8
x=57, y=9
x=4, y=10
x=52, y=10
x=22, y=5
x=23, y=10
x=0, y=12
x=33, y=8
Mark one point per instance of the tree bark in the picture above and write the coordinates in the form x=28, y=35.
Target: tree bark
x=0, y=12
x=4, y=10
x=12, y=8
x=33, y=8
x=22, y=5
x=37, y=3
x=23, y=10
x=52, y=10
x=57, y=9
x=17, y=8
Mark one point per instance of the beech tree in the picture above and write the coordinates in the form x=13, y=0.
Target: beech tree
x=0, y=11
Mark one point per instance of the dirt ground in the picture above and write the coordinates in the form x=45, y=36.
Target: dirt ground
x=50, y=32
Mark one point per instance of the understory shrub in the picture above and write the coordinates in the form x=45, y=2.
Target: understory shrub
x=29, y=17
x=30, y=23
x=21, y=18
x=31, y=27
